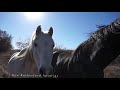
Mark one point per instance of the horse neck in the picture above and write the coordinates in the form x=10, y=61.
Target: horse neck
x=110, y=48
x=104, y=46
x=29, y=62
x=105, y=56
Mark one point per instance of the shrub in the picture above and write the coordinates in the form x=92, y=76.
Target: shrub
x=5, y=41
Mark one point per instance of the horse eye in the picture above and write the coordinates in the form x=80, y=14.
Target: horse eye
x=35, y=44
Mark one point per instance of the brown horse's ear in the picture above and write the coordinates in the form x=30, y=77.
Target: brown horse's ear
x=50, y=32
x=38, y=30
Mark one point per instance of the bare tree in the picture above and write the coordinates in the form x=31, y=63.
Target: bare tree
x=5, y=41
x=22, y=44
x=59, y=47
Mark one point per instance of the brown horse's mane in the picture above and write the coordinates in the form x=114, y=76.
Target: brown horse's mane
x=99, y=36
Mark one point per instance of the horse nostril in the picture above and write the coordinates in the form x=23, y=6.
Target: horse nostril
x=51, y=71
x=41, y=71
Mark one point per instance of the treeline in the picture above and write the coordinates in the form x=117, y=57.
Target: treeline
x=5, y=41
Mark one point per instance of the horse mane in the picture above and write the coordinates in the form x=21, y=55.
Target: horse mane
x=26, y=53
x=98, y=36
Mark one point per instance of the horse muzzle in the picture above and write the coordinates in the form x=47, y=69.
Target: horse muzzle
x=44, y=71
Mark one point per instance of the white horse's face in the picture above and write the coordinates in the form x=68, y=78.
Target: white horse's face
x=42, y=48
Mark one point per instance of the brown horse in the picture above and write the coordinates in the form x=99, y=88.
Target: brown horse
x=91, y=57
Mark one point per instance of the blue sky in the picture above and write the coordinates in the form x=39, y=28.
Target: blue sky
x=70, y=28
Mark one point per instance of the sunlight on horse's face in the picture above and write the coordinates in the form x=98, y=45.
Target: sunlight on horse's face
x=43, y=50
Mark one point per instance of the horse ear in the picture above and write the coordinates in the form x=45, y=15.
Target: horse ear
x=38, y=30
x=50, y=32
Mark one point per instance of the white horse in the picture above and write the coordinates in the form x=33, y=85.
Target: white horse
x=36, y=58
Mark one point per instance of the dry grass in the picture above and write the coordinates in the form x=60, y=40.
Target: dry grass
x=112, y=71
x=4, y=57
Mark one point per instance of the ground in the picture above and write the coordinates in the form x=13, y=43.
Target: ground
x=111, y=71
x=4, y=57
